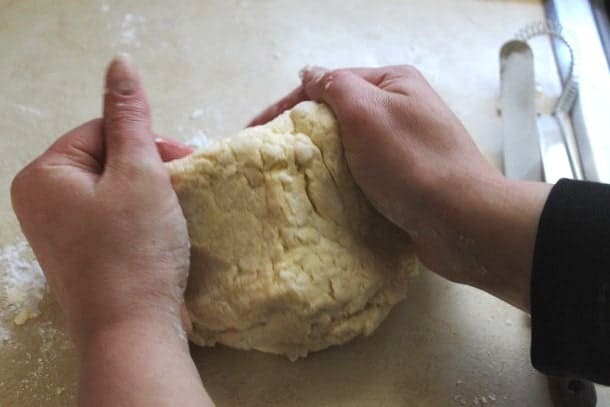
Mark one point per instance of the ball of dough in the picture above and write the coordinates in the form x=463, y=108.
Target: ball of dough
x=287, y=255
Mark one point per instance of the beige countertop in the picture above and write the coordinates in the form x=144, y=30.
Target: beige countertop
x=209, y=66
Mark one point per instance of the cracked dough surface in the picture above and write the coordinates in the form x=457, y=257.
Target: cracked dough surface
x=287, y=255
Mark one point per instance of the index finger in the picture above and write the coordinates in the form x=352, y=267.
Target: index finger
x=295, y=97
x=390, y=78
x=393, y=78
x=82, y=147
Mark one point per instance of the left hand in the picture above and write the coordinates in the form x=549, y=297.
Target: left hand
x=102, y=217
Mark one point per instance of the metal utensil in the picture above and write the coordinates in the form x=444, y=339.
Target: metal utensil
x=518, y=103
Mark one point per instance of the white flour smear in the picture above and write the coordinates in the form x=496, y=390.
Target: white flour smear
x=23, y=284
x=198, y=139
x=129, y=28
x=5, y=335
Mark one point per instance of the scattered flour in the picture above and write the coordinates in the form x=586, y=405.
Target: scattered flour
x=459, y=399
x=32, y=352
x=483, y=400
x=130, y=26
x=23, y=281
x=5, y=335
x=197, y=113
x=198, y=139
x=23, y=109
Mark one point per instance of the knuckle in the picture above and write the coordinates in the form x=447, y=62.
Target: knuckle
x=409, y=71
x=337, y=76
x=359, y=109
x=360, y=105
x=125, y=114
x=384, y=101
x=121, y=167
x=156, y=171
x=338, y=85
x=139, y=169
x=17, y=186
x=22, y=185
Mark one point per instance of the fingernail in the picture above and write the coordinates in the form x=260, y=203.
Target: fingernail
x=312, y=73
x=122, y=75
x=162, y=140
x=303, y=70
x=173, y=143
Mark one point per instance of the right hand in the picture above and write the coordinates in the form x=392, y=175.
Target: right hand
x=405, y=148
x=420, y=168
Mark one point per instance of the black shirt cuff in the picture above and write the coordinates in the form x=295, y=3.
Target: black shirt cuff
x=570, y=286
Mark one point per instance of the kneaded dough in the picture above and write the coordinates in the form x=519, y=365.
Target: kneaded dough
x=287, y=255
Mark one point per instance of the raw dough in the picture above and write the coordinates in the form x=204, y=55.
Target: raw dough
x=287, y=255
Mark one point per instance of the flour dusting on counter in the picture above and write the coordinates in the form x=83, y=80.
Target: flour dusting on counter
x=130, y=25
x=23, y=281
x=128, y=29
x=4, y=335
x=198, y=139
x=197, y=113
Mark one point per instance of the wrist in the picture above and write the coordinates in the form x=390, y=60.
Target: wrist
x=127, y=363
x=479, y=228
x=456, y=216
x=157, y=325
x=501, y=222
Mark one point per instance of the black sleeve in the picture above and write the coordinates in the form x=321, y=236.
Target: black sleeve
x=570, y=287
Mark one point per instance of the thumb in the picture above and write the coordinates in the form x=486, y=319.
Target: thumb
x=127, y=133
x=348, y=95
